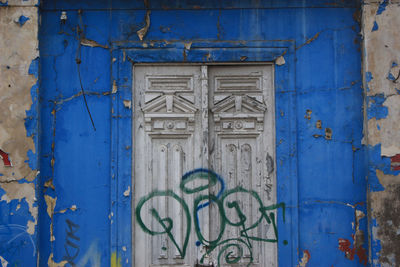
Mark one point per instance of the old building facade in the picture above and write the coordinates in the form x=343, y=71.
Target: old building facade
x=154, y=133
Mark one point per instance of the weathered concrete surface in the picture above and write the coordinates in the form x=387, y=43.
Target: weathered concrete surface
x=18, y=131
x=382, y=129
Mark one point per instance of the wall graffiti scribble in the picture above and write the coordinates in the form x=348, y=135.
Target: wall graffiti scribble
x=71, y=247
x=229, y=211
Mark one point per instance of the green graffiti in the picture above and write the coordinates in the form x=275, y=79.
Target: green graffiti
x=222, y=204
x=196, y=204
x=166, y=223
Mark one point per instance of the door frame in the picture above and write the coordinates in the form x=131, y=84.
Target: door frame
x=126, y=54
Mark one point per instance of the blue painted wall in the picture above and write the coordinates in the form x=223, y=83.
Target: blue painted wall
x=84, y=164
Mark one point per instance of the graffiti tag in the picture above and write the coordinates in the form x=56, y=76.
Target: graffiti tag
x=229, y=210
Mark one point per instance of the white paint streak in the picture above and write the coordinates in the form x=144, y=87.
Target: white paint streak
x=92, y=256
x=3, y=262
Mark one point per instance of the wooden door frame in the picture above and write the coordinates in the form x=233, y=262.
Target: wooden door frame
x=126, y=54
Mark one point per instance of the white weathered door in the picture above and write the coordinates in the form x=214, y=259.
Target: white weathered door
x=203, y=170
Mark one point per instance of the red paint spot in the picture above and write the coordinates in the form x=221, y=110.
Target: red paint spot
x=346, y=246
x=307, y=253
x=6, y=159
x=395, y=162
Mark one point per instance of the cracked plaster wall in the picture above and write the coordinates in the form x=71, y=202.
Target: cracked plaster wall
x=18, y=131
x=381, y=22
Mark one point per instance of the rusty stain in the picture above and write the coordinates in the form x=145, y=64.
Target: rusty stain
x=308, y=114
x=143, y=31
x=243, y=58
x=305, y=259
x=350, y=252
x=308, y=41
x=318, y=124
x=49, y=183
x=328, y=133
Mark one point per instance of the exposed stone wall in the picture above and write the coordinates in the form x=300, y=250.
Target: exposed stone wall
x=18, y=131
x=381, y=23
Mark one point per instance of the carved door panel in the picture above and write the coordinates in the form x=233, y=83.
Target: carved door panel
x=241, y=150
x=203, y=175
x=167, y=131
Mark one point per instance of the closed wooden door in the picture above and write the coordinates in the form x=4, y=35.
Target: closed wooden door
x=204, y=180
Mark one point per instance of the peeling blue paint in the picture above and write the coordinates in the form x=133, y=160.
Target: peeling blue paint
x=22, y=20
x=382, y=7
x=31, y=120
x=376, y=109
x=390, y=77
x=375, y=27
x=34, y=68
x=17, y=246
x=377, y=162
x=3, y=3
x=310, y=79
x=368, y=76
x=373, y=182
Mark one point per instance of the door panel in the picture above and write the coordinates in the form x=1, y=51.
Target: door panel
x=167, y=129
x=241, y=126
x=181, y=112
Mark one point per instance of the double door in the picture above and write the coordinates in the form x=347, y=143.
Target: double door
x=204, y=180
